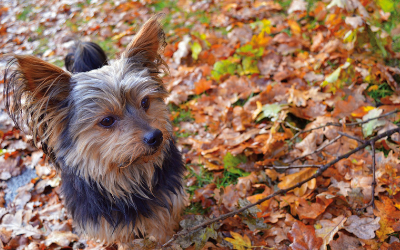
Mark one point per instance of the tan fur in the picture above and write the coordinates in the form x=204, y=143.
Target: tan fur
x=161, y=228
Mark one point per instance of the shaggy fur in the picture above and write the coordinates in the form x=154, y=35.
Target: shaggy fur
x=116, y=186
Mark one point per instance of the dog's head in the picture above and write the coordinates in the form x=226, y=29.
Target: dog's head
x=109, y=125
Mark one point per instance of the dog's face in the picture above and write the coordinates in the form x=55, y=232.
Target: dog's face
x=119, y=120
x=110, y=125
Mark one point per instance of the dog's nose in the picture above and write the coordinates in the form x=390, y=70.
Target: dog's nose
x=153, y=138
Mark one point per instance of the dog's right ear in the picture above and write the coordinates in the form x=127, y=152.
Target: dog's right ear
x=35, y=93
x=147, y=45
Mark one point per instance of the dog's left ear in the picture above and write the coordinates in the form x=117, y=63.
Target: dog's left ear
x=148, y=44
x=35, y=93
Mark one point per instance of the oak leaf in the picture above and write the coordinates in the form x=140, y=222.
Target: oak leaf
x=363, y=228
x=329, y=228
x=290, y=180
x=346, y=242
x=304, y=237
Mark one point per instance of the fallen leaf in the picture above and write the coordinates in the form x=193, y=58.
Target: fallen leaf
x=328, y=229
x=346, y=242
x=304, y=237
x=61, y=238
x=239, y=242
x=364, y=228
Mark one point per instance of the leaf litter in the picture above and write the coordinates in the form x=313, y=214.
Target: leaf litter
x=245, y=78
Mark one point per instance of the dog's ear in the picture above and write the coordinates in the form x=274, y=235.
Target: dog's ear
x=148, y=44
x=35, y=92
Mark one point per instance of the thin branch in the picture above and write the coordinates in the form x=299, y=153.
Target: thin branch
x=346, y=124
x=318, y=172
x=374, y=118
x=318, y=149
x=294, y=166
x=311, y=129
x=372, y=202
x=291, y=126
x=351, y=137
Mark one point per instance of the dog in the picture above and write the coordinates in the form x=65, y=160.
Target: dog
x=107, y=132
x=85, y=56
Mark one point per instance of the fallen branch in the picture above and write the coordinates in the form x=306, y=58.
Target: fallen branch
x=340, y=125
x=318, y=149
x=318, y=172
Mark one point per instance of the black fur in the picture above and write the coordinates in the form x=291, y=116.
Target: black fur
x=88, y=202
x=85, y=57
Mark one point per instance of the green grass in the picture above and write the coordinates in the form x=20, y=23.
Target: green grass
x=184, y=115
x=196, y=208
x=230, y=174
x=108, y=46
x=203, y=178
x=382, y=91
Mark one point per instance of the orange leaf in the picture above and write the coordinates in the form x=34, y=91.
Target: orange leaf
x=294, y=27
x=303, y=237
x=202, y=86
x=292, y=179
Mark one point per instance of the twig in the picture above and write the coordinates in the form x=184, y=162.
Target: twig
x=372, y=202
x=374, y=118
x=311, y=129
x=294, y=166
x=318, y=172
x=346, y=124
x=318, y=149
x=291, y=126
x=351, y=137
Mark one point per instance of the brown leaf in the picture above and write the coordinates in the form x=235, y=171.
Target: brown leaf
x=346, y=242
x=307, y=210
x=204, y=195
x=329, y=228
x=290, y=180
x=303, y=237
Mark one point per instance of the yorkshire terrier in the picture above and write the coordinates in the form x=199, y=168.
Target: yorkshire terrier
x=107, y=131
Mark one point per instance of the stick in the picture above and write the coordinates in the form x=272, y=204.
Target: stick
x=318, y=172
x=318, y=149
x=339, y=125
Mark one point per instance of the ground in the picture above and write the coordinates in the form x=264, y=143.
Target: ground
x=263, y=94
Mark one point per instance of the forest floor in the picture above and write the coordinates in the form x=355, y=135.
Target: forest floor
x=250, y=83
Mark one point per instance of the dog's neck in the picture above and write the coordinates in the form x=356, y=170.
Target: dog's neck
x=81, y=194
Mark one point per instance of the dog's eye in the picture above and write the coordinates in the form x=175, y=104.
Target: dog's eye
x=145, y=103
x=107, y=122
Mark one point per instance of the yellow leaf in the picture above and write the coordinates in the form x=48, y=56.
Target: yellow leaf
x=260, y=40
x=239, y=242
x=120, y=35
x=266, y=26
x=294, y=27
